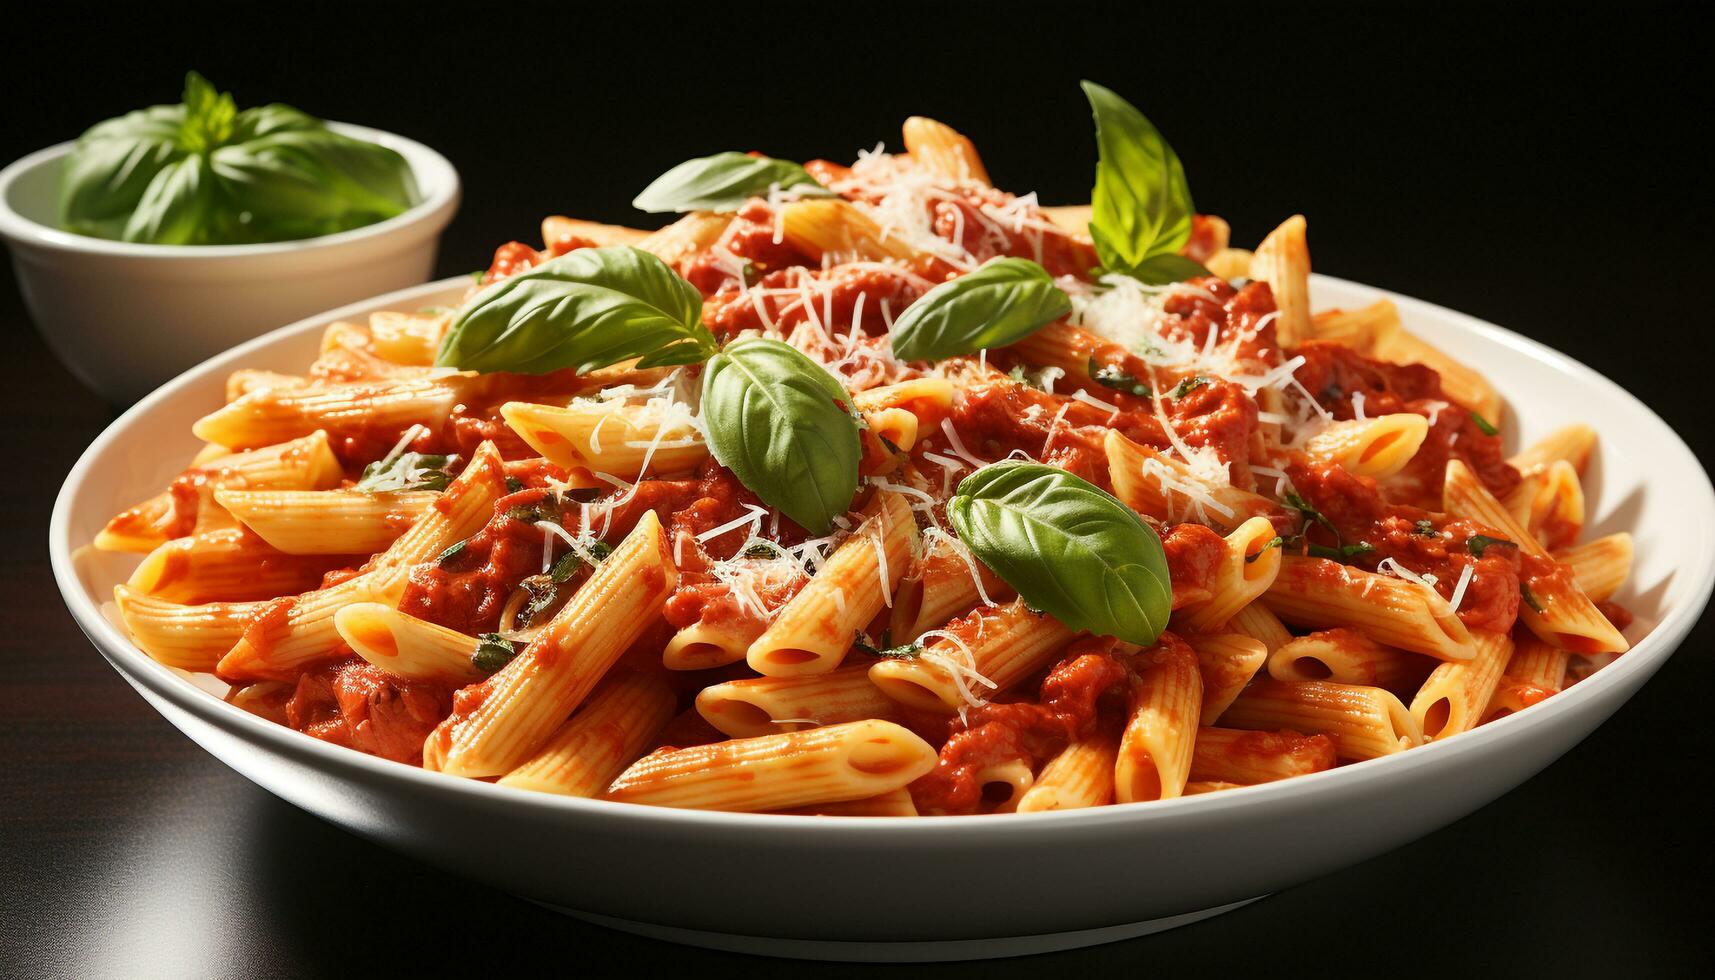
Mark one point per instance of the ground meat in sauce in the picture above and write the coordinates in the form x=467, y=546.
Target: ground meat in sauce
x=1334, y=373
x=1421, y=541
x=360, y=706
x=1194, y=555
x=1087, y=686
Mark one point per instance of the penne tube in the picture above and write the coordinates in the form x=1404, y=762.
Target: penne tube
x=1456, y=696
x=1226, y=662
x=246, y=380
x=814, y=630
x=1074, y=219
x=1256, y=622
x=1230, y=263
x=293, y=631
x=1600, y=565
x=987, y=652
x=770, y=705
x=833, y=230
x=228, y=565
x=894, y=803
x=929, y=399
x=1375, y=447
x=264, y=699
x=1537, y=663
x=1247, y=569
x=686, y=237
x=1514, y=694
x=275, y=415
x=1359, y=328
x=1572, y=444
x=1365, y=722
x=596, y=743
x=1549, y=503
x=1283, y=261
x=405, y=646
x=854, y=761
x=528, y=698
x=408, y=338
x=1232, y=755
x=1081, y=776
x=559, y=231
x=1319, y=593
x=700, y=645
x=300, y=464
x=941, y=586
x=1462, y=385
x=1003, y=784
x=1156, y=486
x=186, y=637
x=1166, y=698
x=1198, y=787
x=895, y=425
x=944, y=151
x=1346, y=656
x=1561, y=614
x=326, y=522
x=620, y=440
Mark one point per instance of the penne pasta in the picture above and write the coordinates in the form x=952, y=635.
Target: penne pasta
x=1247, y=569
x=600, y=739
x=770, y=705
x=1377, y=447
x=619, y=440
x=325, y=522
x=1227, y=662
x=1283, y=261
x=1080, y=776
x=1165, y=701
x=987, y=652
x=1600, y=566
x=406, y=646
x=1456, y=696
x=1229, y=755
x=943, y=150
x=1317, y=592
x=1346, y=656
x=1156, y=486
x=1365, y=722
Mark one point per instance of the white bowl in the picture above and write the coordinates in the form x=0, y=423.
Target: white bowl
x=933, y=888
x=125, y=317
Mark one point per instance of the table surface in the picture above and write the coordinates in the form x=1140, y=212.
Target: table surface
x=127, y=851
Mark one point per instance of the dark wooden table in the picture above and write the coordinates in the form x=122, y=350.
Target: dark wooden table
x=1548, y=195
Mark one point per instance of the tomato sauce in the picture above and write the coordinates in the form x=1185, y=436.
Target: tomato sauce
x=354, y=704
x=467, y=590
x=509, y=260
x=1194, y=555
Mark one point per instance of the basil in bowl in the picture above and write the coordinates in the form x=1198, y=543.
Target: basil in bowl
x=171, y=233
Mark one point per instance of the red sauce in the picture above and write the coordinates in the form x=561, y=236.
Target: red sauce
x=1069, y=706
x=790, y=296
x=468, y=591
x=509, y=260
x=1334, y=372
x=354, y=704
x=1194, y=555
x=1354, y=505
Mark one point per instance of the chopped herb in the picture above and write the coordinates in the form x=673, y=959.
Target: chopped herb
x=1529, y=600
x=1340, y=553
x=1278, y=542
x=1189, y=385
x=406, y=471
x=601, y=549
x=565, y=567
x=1310, y=513
x=1115, y=377
x=448, y=555
x=513, y=484
x=1479, y=543
x=542, y=595
x=478, y=274
x=493, y=652
x=904, y=651
x=762, y=550
x=749, y=274
x=545, y=509
x=581, y=495
x=885, y=441
x=1425, y=528
x=1017, y=374
x=1487, y=427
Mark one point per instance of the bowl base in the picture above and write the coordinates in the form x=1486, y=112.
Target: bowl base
x=924, y=951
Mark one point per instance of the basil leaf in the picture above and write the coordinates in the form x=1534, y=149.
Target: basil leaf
x=446, y=557
x=1188, y=386
x=886, y=649
x=493, y=652
x=113, y=164
x=406, y=471
x=1117, y=378
x=1484, y=425
x=176, y=206
x=300, y=183
x=1141, y=206
x=209, y=115
x=724, y=182
x=1275, y=542
x=1069, y=548
x=1529, y=599
x=1340, y=553
x=1425, y=528
x=783, y=425
x=1476, y=544
x=1003, y=301
x=585, y=310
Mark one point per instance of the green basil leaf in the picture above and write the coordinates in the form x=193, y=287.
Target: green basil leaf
x=209, y=115
x=1484, y=425
x=586, y=309
x=724, y=182
x=1069, y=548
x=113, y=164
x=1118, y=378
x=267, y=120
x=314, y=180
x=1141, y=207
x=493, y=652
x=1003, y=301
x=1476, y=544
x=784, y=427
x=1159, y=270
x=176, y=206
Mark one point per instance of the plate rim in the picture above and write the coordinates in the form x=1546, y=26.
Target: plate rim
x=334, y=761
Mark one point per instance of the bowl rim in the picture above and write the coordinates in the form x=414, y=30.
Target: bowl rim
x=434, y=173
x=336, y=761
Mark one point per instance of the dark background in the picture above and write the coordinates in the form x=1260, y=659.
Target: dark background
x=1534, y=168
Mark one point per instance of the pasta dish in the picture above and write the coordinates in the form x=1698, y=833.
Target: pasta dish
x=875, y=490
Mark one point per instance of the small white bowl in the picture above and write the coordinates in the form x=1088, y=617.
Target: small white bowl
x=935, y=887
x=126, y=317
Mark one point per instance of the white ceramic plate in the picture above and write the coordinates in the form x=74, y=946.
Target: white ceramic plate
x=809, y=886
